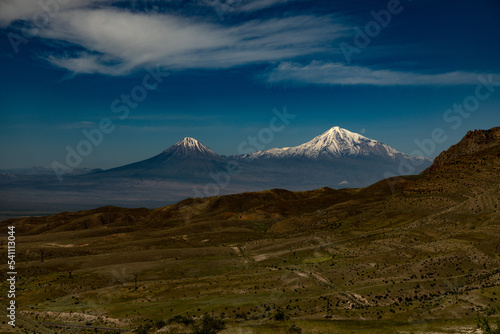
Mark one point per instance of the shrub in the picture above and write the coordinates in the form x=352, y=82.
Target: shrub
x=181, y=320
x=160, y=324
x=143, y=329
x=484, y=325
x=294, y=329
x=209, y=325
x=280, y=315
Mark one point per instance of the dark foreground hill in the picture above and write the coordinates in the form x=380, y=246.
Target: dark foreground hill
x=408, y=254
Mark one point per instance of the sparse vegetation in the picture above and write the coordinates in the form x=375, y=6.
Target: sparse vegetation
x=143, y=329
x=294, y=329
x=484, y=325
x=392, y=257
x=209, y=325
x=280, y=315
x=181, y=320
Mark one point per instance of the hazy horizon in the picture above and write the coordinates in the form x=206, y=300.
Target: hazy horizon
x=214, y=71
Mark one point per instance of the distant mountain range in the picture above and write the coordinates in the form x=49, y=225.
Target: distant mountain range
x=337, y=158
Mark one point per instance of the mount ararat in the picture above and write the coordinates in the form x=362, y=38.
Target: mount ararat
x=337, y=158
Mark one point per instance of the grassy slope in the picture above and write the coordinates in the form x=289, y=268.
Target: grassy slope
x=415, y=254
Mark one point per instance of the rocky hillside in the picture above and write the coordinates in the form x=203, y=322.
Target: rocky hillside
x=407, y=254
x=474, y=142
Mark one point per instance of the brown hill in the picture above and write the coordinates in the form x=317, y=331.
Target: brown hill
x=407, y=250
x=470, y=163
x=474, y=142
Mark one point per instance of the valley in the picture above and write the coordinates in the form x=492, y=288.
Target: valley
x=412, y=254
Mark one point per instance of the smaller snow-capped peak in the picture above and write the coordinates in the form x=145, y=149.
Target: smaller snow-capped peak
x=191, y=143
x=188, y=143
x=190, y=147
x=335, y=142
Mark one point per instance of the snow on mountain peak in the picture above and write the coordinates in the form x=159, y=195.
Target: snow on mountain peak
x=189, y=142
x=190, y=147
x=337, y=135
x=335, y=142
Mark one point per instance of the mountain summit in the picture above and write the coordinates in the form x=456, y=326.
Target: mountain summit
x=186, y=159
x=334, y=143
x=191, y=148
x=335, y=158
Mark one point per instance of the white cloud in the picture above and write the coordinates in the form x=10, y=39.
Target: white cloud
x=338, y=74
x=36, y=10
x=116, y=42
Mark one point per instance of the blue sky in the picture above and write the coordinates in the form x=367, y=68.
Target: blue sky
x=225, y=65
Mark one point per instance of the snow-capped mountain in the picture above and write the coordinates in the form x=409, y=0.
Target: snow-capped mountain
x=334, y=143
x=336, y=158
x=190, y=148
x=185, y=159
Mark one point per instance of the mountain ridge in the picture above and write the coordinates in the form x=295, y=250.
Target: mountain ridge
x=450, y=176
x=334, y=143
x=189, y=167
x=473, y=142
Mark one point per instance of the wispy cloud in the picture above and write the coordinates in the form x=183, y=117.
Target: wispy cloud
x=319, y=73
x=12, y=10
x=116, y=41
